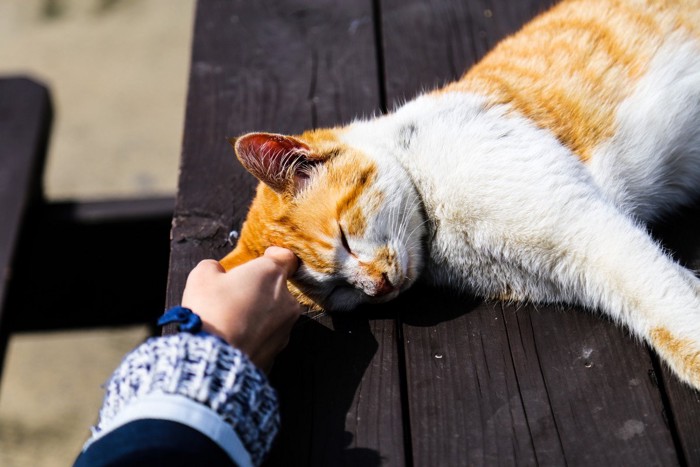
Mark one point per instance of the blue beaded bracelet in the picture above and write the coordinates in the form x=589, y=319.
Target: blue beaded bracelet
x=186, y=319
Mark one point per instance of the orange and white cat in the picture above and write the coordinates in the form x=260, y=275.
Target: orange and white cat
x=528, y=179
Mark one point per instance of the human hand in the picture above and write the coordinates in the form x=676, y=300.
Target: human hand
x=249, y=306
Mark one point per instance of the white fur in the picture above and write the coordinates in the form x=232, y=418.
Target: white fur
x=652, y=164
x=512, y=212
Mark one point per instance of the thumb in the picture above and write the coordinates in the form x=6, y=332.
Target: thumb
x=284, y=258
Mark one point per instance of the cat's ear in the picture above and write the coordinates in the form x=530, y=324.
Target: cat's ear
x=281, y=162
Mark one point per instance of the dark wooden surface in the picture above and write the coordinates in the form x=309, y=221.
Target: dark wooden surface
x=681, y=234
x=432, y=378
x=25, y=119
x=285, y=66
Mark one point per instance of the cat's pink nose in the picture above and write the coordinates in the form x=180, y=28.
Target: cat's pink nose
x=384, y=286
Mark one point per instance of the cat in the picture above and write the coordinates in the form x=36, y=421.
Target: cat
x=529, y=179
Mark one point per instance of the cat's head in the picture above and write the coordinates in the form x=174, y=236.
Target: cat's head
x=354, y=220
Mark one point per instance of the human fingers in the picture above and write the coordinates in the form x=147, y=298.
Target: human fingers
x=202, y=276
x=284, y=258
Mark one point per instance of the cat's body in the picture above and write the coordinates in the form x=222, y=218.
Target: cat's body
x=528, y=179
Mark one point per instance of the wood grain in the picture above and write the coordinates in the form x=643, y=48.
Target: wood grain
x=428, y=43
x=596, y=380
x=463, y=394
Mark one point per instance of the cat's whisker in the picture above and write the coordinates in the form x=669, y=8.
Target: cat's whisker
x=393, y=214
x=320, y=315
x=314, y=314
x=400, y=217
x=416, y=228
x=407, y=217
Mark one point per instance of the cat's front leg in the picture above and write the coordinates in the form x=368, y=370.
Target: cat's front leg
x=616, y=267
x=558, y=239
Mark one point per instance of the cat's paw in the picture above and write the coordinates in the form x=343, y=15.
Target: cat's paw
x=682, y=354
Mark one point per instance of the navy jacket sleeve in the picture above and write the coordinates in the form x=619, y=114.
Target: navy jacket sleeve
x=184, y=395
x=154, y=443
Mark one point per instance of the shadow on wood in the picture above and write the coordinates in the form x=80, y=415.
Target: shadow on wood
x=321, y=371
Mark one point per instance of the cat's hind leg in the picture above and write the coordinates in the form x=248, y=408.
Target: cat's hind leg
x=558, y=238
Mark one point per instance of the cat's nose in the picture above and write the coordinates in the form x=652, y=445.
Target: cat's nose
x=383, y=286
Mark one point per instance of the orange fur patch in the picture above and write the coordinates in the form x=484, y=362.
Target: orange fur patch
x=307, y=223
x=682, y=352
x=569, y=69
x=348, y=206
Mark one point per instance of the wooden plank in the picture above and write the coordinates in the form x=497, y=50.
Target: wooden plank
x=284, y=66
x=491, y=385
x=463, y=393
x=108, y=210
x=681, y=234
x=683, y=414
x=339, y=393
x=595, y=379
x=428, y=43
x=25, y=120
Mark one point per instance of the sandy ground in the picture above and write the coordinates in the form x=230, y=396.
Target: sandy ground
x=117, y=70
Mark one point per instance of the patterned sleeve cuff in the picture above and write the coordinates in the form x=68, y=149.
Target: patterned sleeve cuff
x=205, y=369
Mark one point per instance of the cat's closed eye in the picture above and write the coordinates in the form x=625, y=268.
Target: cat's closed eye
x=344, y=241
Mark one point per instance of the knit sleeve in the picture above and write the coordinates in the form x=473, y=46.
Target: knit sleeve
x=207, y=370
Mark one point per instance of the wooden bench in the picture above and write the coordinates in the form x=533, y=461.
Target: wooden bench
x=25, y=119
x=75, y=263
x=432, y=378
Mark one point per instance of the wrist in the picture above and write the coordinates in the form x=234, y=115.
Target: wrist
x=207, y=370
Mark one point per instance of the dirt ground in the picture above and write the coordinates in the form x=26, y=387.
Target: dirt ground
x=117, y=70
